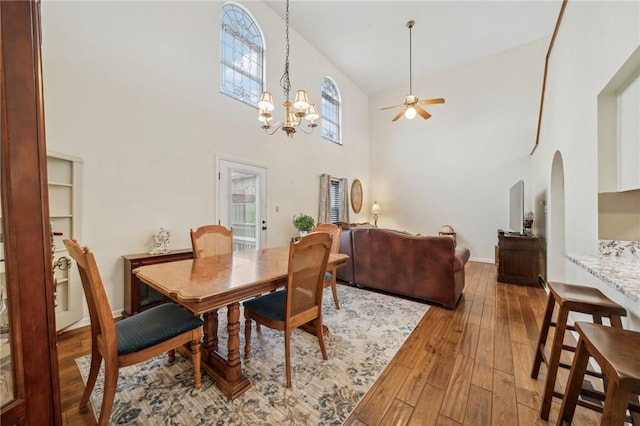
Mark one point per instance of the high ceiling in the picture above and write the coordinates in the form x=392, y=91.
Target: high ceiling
x=369, y=40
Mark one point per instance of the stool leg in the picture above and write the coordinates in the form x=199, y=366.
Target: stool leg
x=554, y=362
x=615, y=404
x=544, y=332
x=616, y=321
x=574, y=385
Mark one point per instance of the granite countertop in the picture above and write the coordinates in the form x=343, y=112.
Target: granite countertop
x=620, y=272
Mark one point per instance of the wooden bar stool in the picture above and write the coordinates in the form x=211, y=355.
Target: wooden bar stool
x=617, y=352
x=569, y=298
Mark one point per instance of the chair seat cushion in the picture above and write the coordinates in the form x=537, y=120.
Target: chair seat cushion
x=270, y=305
x=328, y=276
x=153, y=326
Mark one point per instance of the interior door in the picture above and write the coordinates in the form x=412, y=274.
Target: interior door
x=242, y=190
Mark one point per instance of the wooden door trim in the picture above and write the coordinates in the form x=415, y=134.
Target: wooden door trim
x=25, y=219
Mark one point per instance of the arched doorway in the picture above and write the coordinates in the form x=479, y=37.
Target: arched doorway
x=556, y=221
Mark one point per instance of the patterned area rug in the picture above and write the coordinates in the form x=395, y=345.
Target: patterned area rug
x=364, y=336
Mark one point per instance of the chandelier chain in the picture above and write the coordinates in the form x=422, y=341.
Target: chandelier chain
x=284, y=81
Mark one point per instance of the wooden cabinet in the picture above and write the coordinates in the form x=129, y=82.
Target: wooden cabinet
x=137, y=295
x=518, y=259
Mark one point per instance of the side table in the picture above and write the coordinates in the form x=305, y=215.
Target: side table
x=137, y=295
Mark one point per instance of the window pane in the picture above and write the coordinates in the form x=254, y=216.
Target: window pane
x=330, y=111
x=241, y=56
x=6, y=368
x=335, y=200
x=243, y=210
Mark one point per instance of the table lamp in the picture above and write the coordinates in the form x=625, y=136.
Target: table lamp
x=375, y=211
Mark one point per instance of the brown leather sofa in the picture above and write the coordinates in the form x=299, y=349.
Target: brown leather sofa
x=422, y=267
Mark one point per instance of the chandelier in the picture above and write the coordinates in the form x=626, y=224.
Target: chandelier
x=293, y=113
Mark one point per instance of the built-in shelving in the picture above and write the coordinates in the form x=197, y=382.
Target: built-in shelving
x=64, y=184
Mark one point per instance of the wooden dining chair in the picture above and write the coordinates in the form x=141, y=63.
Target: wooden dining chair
x=331, y=273
x=300, y=302
x=211, y=240
x=132, y=340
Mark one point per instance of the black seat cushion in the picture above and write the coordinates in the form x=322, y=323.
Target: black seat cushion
x=153, y=326
x=270, y=305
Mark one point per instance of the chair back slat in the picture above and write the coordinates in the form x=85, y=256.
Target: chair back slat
x=211, y=240
x=307, y=264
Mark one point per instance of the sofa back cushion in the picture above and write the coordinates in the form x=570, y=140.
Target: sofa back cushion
x=415, y=266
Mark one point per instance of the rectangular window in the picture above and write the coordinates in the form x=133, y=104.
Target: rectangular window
x=334, y=195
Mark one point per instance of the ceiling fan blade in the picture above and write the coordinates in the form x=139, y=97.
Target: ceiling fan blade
x=424, y=114
x=399, y=114
x=432, y=101
x=389, y=107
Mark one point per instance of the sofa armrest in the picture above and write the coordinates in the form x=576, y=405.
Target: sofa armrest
x=460, y=257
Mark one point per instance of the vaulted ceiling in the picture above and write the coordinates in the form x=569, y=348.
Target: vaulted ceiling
x=369, y=41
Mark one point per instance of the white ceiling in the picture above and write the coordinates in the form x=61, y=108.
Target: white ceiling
x=369, y=40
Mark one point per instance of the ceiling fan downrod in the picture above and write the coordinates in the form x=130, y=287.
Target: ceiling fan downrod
x=410, y=26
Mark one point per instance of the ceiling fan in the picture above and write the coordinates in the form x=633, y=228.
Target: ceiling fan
x=411, y=104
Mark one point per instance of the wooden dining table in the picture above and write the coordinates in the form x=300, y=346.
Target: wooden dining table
x=207, y=284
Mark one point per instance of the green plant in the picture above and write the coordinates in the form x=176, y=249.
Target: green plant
x=303, y=222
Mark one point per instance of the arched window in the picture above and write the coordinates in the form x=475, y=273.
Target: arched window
x=331, y=114
x=241, y=55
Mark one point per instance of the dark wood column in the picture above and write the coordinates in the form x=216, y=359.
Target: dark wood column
x=25, y=221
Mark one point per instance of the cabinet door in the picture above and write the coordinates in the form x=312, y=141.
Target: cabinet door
x=64, y=182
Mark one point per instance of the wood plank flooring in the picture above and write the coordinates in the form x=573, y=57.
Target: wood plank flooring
x=467, y=366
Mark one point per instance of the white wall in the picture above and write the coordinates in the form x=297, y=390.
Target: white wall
x=457, y=167
x=594, y=41
x=132, y=88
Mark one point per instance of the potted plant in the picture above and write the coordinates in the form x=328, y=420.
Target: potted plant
x=303, y=223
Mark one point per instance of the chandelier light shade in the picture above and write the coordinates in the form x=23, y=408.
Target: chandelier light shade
x=293, y=113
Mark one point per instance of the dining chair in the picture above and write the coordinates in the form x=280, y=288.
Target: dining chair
x=300, y=302
x=211, y=240
x=331, y=273
x=132, y=340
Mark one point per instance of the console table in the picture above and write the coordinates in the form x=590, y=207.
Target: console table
x=518, y=259
x=137, y=295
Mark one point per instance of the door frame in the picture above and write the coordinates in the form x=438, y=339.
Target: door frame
x=25, y=220
x=248, y=166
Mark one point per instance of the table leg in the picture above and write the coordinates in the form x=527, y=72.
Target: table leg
x=227, y=373
x=210, y=331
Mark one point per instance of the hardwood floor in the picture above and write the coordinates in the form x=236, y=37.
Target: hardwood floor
x=468, y=366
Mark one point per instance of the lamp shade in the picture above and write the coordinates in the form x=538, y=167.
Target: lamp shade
x=266, y=101
x=302, y=100
x=312, y=113
x=375, y=209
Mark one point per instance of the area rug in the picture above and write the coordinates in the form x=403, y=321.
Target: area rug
x=364, y=335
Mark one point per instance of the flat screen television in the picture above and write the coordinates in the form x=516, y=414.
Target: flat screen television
x=516, y=208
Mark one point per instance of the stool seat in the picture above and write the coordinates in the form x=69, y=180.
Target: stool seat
x=617, y=352
x=586, y=300
x=568, y=298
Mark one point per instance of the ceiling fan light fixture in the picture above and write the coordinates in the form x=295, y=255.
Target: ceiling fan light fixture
x=410, y=113
x=411, y=106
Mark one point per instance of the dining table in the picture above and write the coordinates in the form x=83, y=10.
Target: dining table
x=207, y=284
